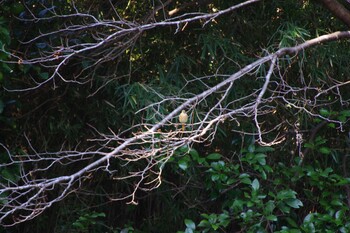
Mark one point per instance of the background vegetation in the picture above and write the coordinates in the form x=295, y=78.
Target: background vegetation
x=232, y=184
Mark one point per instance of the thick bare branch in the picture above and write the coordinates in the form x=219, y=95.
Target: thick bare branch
x=150, y=145
x=338, y=10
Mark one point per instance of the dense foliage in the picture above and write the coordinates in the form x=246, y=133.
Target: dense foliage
x=228, y=184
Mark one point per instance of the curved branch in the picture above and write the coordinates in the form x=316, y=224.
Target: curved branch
x=23, y=201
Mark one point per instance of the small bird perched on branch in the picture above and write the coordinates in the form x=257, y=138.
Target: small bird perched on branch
x=183, y=118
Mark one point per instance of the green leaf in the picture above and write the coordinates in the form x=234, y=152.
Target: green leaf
x=337, y=202
x=324, y=112
x=201, y=160
x=223, y=217
x=214, y=156
x=95, y=215
x=9, y=174
x=286, y=194
x=215, y=226
x=6, y=67
x=309, y=145
x=44, y=75
x=204, y=223
x=325, y=150
x=269, y=207
x=255, y=184
x=320, y=140
x=261, y=158
x=215, y=177
x=190, y=224
x=344, y=181
x=291, y=222
x=339, y=214
x=342, y=118
x=294, y=203
x=246, y=181
x=263, y=175
x=83, y=218
x=218, y=166
x=251, y=148
x=264, y=149
x=284, y=208
x=183, y=164
x=244, y=175
x=183, y=149
x=194, y=154
x=78, y=225
x=271, y=218
x=345, y=113
x=309, y=218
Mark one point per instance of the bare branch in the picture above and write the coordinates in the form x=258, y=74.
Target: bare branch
x=150, y=145
x=338, y=10
x=122, y=35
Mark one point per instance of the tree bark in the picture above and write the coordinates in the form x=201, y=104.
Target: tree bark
x=338, y=10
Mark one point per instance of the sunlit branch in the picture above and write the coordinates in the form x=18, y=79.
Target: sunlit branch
x=149, y=146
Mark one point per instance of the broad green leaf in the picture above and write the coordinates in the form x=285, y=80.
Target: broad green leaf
x=294, y=203
x=215, y=177
x=223, y=217
x=344, y=181
x=183, y=164
x=309, y=145
x=215, y=226
x=44, y=75
x=83, y=218
x=9, y=174
x=194, y=154
x=345, y=113
x=337, y=202
x=339, y=214
x=183, y=149
x=342, y=118
x=264, y=149
x=269, y=207
x=204, y=223
x=261, y=158
x=324, y=112
x=255, y=184
x=320, y=140
x=244, y=175
x=214, y=156
x=78, y=225
x=251, y=148
x=95, y=215
x=271, y=217
x=190, y=224
x=286, y=194
x=218, y=166
x=246, y=181
x=283, y=207
x=291, y=222
x=325, y=150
